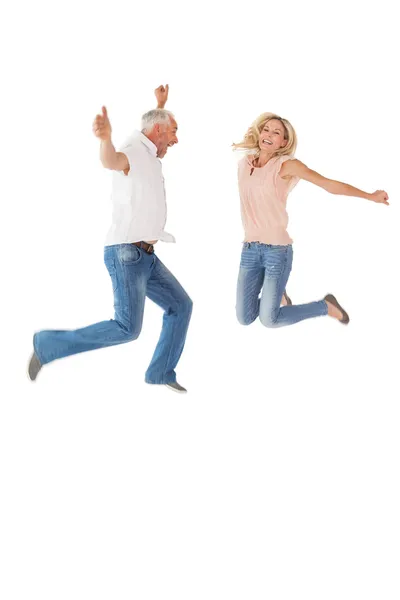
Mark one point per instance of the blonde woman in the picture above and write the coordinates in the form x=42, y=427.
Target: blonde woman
x=267, y=174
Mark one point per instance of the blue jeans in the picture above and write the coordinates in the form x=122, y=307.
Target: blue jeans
x=267, y=267
x=134, y=275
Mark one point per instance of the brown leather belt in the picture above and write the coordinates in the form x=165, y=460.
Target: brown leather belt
x=149, y=248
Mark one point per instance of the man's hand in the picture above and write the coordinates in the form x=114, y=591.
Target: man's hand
x=102, y=126
x=162, y=95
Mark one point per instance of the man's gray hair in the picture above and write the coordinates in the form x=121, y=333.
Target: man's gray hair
x=157, y=115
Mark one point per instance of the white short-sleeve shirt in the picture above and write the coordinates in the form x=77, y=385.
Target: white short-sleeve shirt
x=139, y=208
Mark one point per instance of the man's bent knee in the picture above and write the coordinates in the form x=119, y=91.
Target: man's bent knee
x=131, y=333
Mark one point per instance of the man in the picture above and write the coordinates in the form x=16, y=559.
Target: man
x=139, y=216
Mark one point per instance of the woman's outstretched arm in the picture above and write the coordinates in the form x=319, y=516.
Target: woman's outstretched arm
x=295, y=168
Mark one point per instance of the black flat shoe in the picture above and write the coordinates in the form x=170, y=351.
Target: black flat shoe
x=332, y=300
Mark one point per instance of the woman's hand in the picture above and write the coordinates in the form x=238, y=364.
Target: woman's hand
x=380, y=197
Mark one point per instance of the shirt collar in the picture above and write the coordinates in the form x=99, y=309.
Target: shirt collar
x=145, y=140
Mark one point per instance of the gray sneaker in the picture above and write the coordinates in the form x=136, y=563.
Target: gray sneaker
x=176, y=387
x=34, y=367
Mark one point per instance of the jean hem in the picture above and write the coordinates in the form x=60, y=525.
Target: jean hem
x=36, y=350
x=159, y=382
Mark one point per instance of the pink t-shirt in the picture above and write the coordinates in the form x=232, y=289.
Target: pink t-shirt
x=263, y=195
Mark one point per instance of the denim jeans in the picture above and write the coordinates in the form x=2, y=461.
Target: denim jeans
x=267, y=267
x=134, y=275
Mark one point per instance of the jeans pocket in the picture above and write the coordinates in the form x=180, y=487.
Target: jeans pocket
x=129, y=254
x=248, y=257
x=275, y=261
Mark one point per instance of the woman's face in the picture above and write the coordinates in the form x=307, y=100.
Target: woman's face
x=272, y=136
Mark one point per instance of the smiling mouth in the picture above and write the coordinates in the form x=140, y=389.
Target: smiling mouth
x=267, y=142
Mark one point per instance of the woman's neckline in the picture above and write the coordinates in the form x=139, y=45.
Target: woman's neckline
x=253, y=166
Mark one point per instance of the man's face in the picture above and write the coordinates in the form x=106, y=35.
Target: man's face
x=166, y=137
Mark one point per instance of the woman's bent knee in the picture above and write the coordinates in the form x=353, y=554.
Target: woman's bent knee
x=244, y=319
x=269, y=320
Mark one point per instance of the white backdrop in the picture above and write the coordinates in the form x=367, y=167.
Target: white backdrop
x=277, y=475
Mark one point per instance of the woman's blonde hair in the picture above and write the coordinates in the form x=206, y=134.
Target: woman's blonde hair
x=252, y=138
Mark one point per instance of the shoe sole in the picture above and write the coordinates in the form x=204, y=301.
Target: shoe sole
x=175, y=390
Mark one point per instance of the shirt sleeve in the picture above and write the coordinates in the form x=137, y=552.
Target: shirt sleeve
x=290, y=183
x=130, y=153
